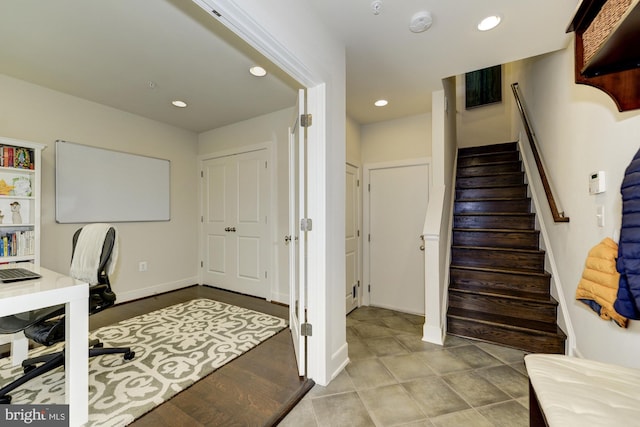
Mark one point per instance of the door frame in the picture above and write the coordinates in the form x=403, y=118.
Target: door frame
x=366, y=215
x=272, y=208
x=298, y=237
x=325, y=359
x=359, y=191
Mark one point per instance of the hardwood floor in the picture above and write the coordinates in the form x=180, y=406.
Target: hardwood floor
x=256, y=389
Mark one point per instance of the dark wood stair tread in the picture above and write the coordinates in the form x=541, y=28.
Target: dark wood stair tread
x=490, y=167
x=508, y=322
x=502, y=270
x=497, y=162
x=499, y=249
x=512, y=294
x=495, y=230
x=507, y=147
x=486, y=187
x=486, y=200
x=522, y=214
x=492, y=174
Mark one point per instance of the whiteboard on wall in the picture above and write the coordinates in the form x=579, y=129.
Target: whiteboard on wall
x=99, y=185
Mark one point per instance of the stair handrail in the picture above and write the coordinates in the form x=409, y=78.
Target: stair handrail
x=558, y=216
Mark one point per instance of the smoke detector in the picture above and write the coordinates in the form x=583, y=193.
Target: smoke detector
x=420, y=21
x=376, y=7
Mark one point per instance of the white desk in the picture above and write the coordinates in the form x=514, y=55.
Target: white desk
x=52, y=289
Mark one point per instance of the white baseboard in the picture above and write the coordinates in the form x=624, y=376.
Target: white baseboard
x=339, y=360
x=432, y=334
x=280, y=298
x=156, y=289
x=575, y=352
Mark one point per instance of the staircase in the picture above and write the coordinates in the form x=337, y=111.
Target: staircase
x=499, y=291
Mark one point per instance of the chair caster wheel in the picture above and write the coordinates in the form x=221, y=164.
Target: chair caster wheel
x=5, y=400
x=130, y=355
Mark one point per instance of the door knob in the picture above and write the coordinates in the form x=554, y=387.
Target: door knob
x=227, y=229
x=287, y=239
x=232, y=229
x=422, y=247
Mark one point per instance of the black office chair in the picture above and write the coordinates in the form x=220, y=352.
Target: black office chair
x=47, y=326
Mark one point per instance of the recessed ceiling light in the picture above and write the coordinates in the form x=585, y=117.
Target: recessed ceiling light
x=258, y=71
x=381, y=103
x=179, y=104
x=489, y=23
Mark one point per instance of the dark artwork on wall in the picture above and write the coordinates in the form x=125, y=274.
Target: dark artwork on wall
x=483, y=87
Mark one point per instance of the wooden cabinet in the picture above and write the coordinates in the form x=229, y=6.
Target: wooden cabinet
x=20, y=171
x=607, y=52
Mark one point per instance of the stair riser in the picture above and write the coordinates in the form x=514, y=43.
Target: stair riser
x=523, y=309
x=492, y=192
x=516, y=222
x=499, y=282
x=507, y=179
x=489, y=169
x=496, y=239
x=488, y=258
x=509, y=156
x=490, y=206
x=523, y=340
x=495, y=148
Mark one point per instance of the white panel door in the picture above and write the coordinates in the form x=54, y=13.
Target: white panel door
x=236, y=201
x=352, y=239
x=397, y=206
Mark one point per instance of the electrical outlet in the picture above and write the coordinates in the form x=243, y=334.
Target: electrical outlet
x=142, y=266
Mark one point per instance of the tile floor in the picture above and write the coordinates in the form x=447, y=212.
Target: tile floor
x=395, y=379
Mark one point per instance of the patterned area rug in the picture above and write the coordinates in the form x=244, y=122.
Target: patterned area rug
x=175, y=347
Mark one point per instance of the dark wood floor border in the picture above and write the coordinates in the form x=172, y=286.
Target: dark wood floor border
x=289, y=404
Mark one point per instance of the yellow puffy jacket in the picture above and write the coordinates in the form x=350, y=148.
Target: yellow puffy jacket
x=598, y=287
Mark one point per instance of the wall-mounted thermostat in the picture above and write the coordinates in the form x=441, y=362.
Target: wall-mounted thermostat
x=597, y=183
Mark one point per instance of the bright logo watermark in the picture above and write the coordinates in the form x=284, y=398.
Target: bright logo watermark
x=34, y=415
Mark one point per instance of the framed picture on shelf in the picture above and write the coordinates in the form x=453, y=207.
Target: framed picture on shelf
x=22, y=158
x=22, y=186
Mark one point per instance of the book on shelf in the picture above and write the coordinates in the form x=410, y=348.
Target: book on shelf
x=16, y=157
x=19, y=243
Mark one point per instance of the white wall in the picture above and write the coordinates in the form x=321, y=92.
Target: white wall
x=34, y=113
x=399, y=139
x=579, y=131
x=489, y=124
x=273, y=129
x=353, y=138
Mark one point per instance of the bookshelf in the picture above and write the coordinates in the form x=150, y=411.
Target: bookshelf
x=20, y=195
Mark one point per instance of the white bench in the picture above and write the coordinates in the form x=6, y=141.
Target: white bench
x=568, y=391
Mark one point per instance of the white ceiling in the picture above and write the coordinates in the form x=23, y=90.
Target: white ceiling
x=108, y=52
x=386, y=60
